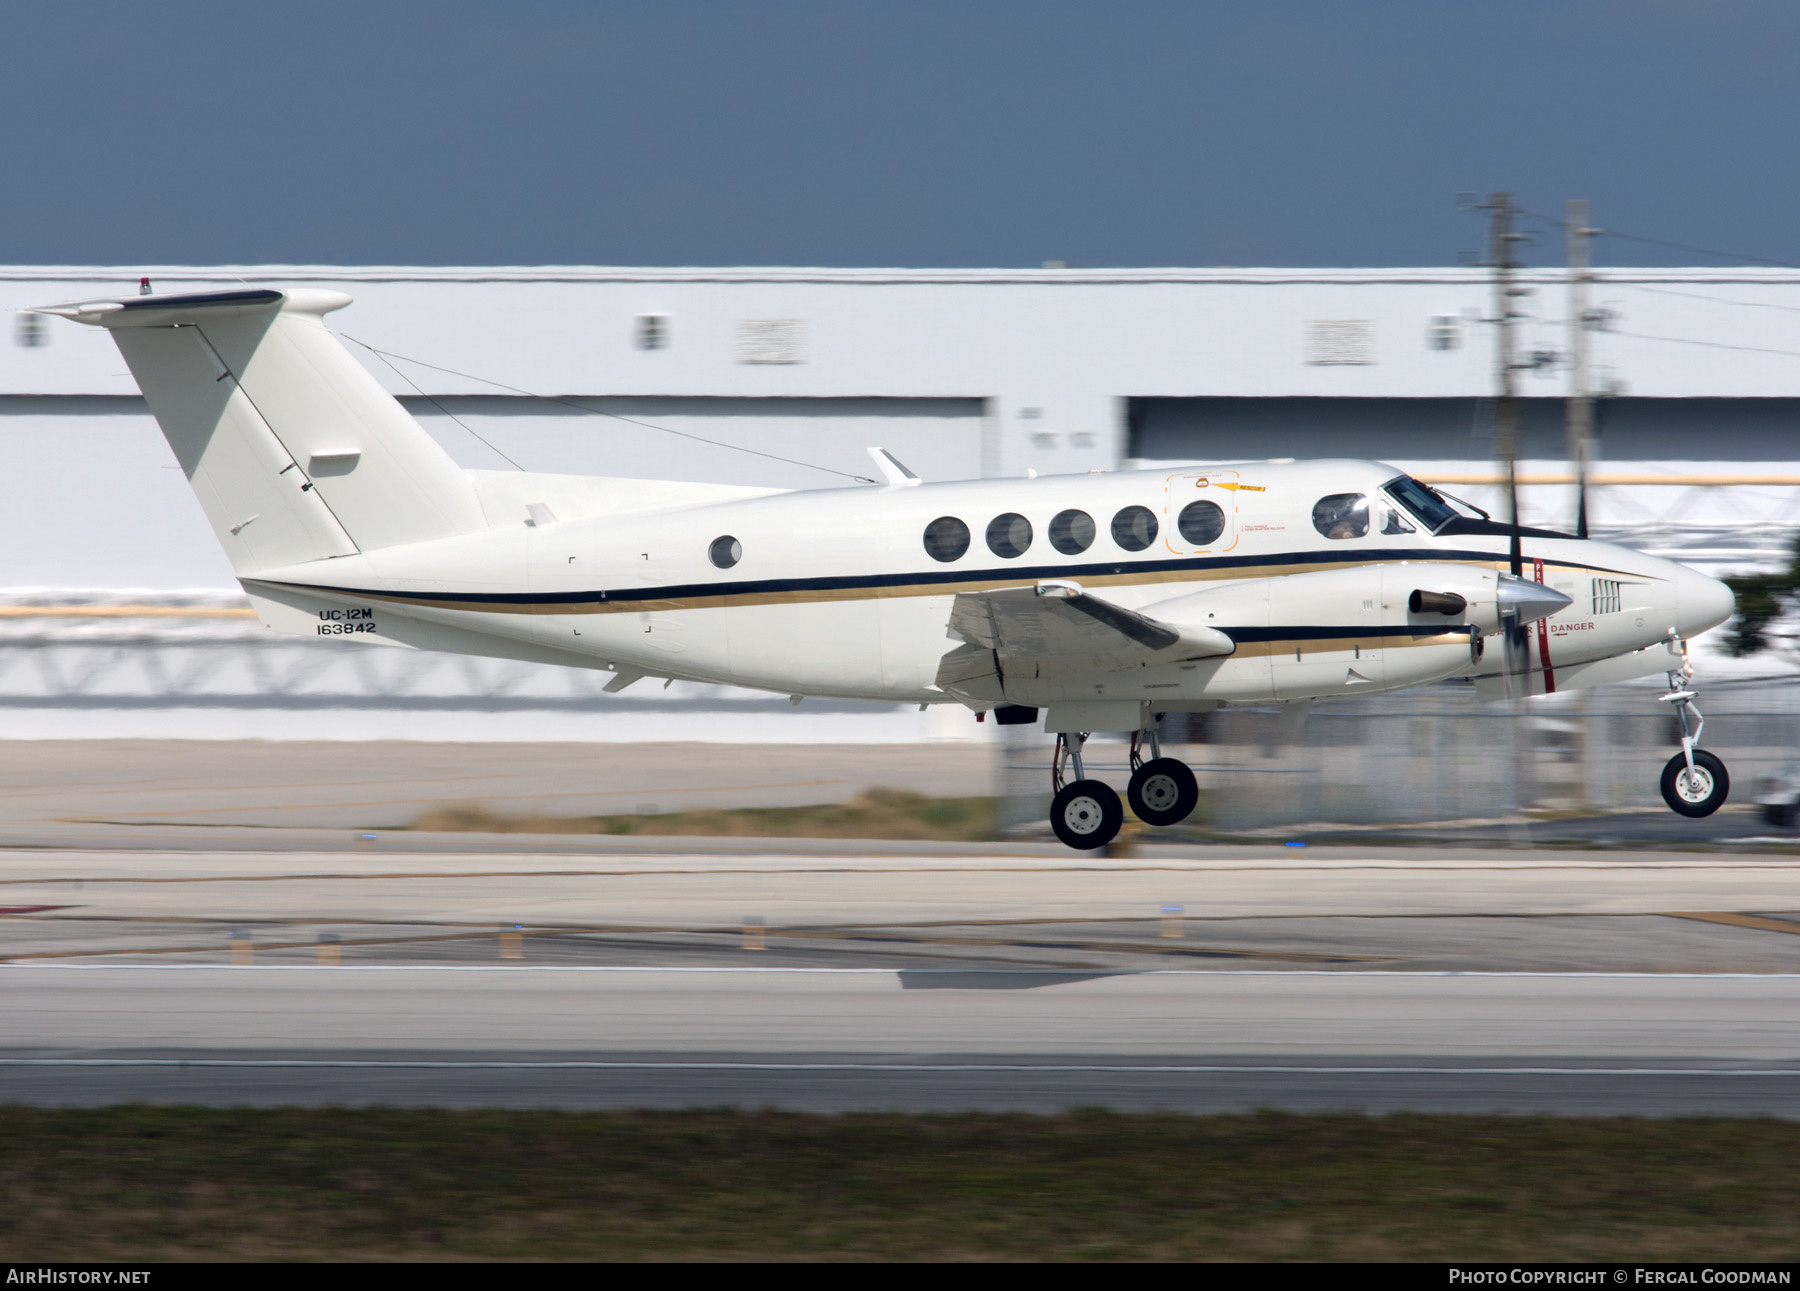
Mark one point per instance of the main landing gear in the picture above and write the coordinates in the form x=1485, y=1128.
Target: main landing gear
x=1086, y=814
x=1694, y=782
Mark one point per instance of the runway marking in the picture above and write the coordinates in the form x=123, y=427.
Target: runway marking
x=499, y=1064
x=478, y=931
x=1739, y=920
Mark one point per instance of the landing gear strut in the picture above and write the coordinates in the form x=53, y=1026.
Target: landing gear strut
x=1163, y=791
x=1086, y=814
x=1694, y=782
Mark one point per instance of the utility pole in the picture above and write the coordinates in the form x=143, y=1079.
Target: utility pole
x=1516, y=667
x=1501, y=240
x=1581, y=387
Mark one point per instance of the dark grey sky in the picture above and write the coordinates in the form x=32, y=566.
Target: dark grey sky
x=922, y=133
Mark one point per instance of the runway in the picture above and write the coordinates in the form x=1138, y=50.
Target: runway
x=187, y=939
x=873, y=1039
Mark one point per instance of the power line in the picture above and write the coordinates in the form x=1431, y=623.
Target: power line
x=598, y=412
x=1672, y=246
x=1696, y=295
x=1711, y=345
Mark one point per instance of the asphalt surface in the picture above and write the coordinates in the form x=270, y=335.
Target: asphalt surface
x=835, y=1040
x=199, y=925
x=835, y=1083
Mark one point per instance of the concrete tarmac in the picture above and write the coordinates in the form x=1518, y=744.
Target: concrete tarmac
x=179, y=926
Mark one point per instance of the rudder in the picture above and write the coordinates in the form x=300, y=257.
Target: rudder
x=294, y=450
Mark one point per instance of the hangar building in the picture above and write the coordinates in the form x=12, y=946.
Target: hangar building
x=784, y=376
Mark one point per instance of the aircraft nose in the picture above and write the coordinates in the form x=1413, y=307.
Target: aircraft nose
x=1701, y=602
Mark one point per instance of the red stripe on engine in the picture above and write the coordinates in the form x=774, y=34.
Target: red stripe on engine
x=1543, y=636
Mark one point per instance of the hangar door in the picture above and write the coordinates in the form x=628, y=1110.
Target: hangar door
x=705, y=439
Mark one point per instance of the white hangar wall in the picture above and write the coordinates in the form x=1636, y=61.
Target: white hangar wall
x=959, y=373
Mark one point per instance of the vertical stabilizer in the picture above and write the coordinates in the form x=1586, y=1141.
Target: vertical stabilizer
x=295, y=451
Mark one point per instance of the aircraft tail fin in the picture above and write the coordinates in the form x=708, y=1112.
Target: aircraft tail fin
x=294, y=450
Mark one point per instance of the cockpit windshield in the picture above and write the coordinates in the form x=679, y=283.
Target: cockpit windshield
x=1430, y=510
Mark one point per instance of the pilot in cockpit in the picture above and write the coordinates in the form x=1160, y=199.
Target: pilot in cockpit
x=1342, y=515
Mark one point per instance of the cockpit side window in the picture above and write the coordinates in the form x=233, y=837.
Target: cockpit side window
x=1420, y=499
x=1392, y=521
x=1342, y=515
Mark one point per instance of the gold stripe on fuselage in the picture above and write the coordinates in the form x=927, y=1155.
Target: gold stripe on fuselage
x=812, y=595
x=818, y=595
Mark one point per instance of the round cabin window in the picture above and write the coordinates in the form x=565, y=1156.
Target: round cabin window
x=725, y=552
x=1342, y=515
x=1009, y=535
x=1072, y=532
x=1134, y=528
x=946, y=538
x=1201, y=523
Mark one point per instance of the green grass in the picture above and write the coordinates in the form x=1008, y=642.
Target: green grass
x=187, y=1183
x=878, y=813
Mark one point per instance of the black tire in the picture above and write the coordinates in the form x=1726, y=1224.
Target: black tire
x=1163, y=792
x=1703, y=799
x=1086, y=815
x=1779, y=815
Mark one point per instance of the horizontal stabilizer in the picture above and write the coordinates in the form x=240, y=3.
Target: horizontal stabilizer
x=161, y=311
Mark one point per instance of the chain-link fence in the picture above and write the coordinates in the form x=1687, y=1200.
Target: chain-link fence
x=1436, y=755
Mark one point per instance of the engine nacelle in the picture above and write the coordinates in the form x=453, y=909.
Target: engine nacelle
x=1343, y=631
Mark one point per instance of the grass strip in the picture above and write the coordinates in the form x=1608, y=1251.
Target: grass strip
x=146, y=1183
x=878, y=813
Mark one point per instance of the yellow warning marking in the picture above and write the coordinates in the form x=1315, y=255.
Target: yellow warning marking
x=124, y=612
x=402, y=802
x=1603, y=478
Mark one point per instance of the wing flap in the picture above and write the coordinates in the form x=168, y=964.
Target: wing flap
x=1059, y=621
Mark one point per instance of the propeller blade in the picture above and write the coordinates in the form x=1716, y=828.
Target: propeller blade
x=1515, y=548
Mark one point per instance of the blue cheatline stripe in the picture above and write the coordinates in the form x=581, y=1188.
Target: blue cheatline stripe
x=928, y=578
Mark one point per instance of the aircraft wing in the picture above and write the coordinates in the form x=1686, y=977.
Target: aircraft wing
x=1058, y=622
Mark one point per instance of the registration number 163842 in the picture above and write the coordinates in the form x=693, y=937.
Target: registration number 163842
x=334, y=623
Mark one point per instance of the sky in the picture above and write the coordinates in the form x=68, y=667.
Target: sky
x=913, y=133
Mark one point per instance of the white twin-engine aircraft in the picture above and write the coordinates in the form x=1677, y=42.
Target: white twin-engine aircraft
x=1104, y=600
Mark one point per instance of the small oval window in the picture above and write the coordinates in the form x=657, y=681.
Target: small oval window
x=1134, y=528
x=1201, y=523
x=946, y=538
x=1009, y=535
x=725, y=552
x=1342, y=515
x=1072, y=532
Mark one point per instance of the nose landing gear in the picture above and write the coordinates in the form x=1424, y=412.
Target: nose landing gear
x=1694, y=781
x=1087, y=815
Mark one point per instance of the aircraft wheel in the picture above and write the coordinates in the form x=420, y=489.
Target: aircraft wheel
x=1086, y=815
x=1163, y=792
x=1699, y=794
